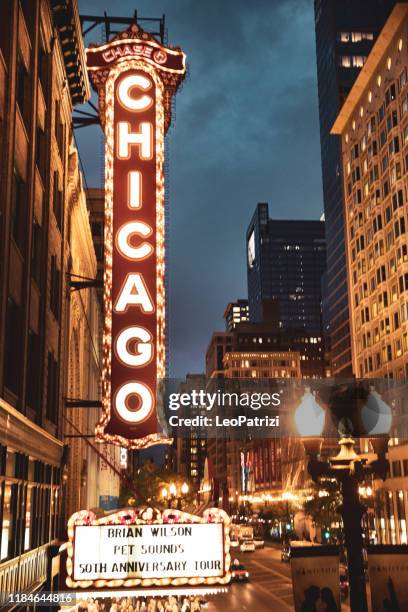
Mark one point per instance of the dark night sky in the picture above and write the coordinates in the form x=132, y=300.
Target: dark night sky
x=246, y=130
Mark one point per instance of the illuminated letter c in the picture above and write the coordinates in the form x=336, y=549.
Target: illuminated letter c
x=122, y=240
x=134, y=104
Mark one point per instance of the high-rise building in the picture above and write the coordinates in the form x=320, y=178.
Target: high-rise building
x=277, y=364
x=259, y=338
x=251, y=467
x=236, y=312
x=285, y=264
x=372, y=126
x=188, y=452
x=345, y=33
x=373, y=130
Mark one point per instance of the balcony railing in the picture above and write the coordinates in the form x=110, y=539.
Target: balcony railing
x=24, y=573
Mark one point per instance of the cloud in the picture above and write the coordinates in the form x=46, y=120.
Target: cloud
x=246, y=130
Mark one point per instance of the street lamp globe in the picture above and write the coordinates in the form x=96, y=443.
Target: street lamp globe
x=164, y=492
x=309, y=416
x=376, y=415
x=172, y=489
x=184, y=488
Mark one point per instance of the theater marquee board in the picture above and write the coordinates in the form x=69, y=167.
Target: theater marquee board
x=136, y=78
x=144, y=548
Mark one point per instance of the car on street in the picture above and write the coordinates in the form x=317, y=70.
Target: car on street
x=344, y=581
x=247, y=546
x=259, y=543
x=239, y=573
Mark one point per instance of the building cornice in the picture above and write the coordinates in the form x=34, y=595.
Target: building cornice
x=18, y=432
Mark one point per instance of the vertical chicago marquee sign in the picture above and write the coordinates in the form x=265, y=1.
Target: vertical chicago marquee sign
x=136, y=78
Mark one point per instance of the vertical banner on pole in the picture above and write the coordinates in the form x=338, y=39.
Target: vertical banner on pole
x=388, y=574
x=135, y=77
x=315, y=577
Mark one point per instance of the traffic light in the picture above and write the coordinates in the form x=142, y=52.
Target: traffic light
x=326, y=534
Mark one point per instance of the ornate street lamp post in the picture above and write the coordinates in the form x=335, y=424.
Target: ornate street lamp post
x=349, y=469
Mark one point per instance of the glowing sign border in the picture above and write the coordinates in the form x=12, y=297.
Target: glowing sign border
x=114, y=73
x=147, y=516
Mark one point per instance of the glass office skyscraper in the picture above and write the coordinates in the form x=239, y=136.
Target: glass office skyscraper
x=285, y=264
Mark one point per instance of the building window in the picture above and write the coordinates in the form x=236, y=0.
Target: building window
x=345, y=61
x=14, y=334
x=59, y=129
x=18, y=211
x=390, y=94
x=358, y=61
x=40, y=154
x=22, y=94
x=27, y=8
x=36, y=247
x=7, y=522
x=396, y=469
x=403, y=79
x=57, y=202
x=52, y=389
x=43, y=63
x=4, y=31
x=28, y=518
x=397, y=199
x=55, y=302
x=33, y=371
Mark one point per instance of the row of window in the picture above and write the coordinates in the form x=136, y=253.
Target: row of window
x=390, y=94
x=261, y=363
x=375, y=121
x=388, y=324
x=355, y=37
x=29, y=503
x=283, y=373
x=399, y=316
x=398, y=228
x=14, y=364
x=394, y=261
x=384, y=357
x=21, y=225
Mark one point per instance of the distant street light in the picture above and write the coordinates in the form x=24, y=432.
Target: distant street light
x=173, y=489
x=184, y=488
x=171, y=494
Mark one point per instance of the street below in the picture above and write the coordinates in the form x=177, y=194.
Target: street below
x=269, y=586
